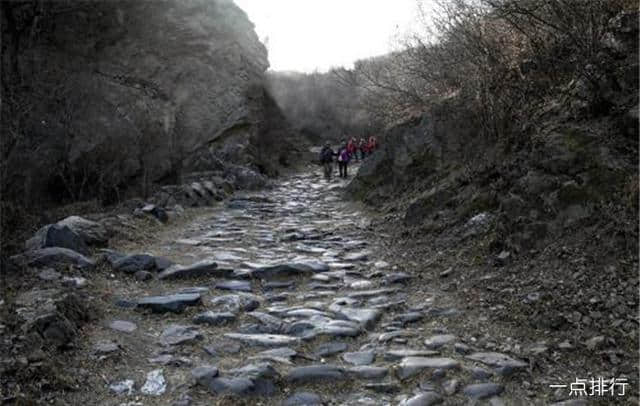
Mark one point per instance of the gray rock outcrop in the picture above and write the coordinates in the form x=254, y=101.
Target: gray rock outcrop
x=134, y=92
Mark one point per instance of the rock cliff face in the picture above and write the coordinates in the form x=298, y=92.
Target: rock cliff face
x=103, y=95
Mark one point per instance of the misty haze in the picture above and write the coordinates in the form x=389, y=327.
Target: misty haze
x=339, y=202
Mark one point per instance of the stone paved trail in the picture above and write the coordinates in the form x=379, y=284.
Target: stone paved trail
x=281, y=299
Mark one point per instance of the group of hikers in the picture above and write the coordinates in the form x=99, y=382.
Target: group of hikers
x=353, y=149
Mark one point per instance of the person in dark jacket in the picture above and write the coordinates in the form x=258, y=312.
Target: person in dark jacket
x=363, y=148
x=326, y=159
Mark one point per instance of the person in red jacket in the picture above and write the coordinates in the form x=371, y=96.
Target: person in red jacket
x=373, y=144
x=363, y=148
x=351, y=148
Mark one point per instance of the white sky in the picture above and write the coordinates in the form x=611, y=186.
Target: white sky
x=308, y=35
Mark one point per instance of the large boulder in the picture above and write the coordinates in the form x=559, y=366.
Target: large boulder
x=134, y=263
x=54, y=235
x=54, y=257
x=412, y=147
x=93, y=233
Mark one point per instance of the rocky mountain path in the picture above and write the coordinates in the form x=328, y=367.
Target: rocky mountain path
x=284, y=298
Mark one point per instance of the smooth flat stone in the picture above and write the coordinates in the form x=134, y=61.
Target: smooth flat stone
x=49, y=275
x=359, y=358
x=267, y=340
x=482, y=390
x=502, y=362
x=255, y=370
x=278, y=285
x=398, y=277
x=188, y=241
x=392, y=335
x=214, y=318
x=339, y=328
x=322, y=285
x=204, y=372
x=176, y=334
x=423, y=399
x=226, y=256
x=195, y=289
x=357, y=256
x=306, y=313
x=218, y=350
x=303, y=399
x=235, y=302
x=169, y=303
x=282, y=355
x=366, y=317
x=123, y=326
x=105, y=347
x=273, y=323
x=229, y=385
x=437, y=341
x=394, y=355
x=289, y=270
x=135, y=262
x=371, y=293
x=315, y=373
x=329, y=348
x=242, y=286
x=122, y=387
x=342, y=265
x=361, y=285
x=368, y=372
x=411, y=317
x=413, y=365
x=284, y=352
x=196, y=270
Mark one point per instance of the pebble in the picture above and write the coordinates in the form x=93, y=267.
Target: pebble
x=122, y=387
x=123, y=326
x=155, y=385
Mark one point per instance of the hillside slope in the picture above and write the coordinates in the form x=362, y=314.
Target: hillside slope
x=541, y=234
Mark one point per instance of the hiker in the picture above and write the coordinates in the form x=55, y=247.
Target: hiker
x=326, y=159
x=362, y=147
x=352, y=149
x=343, y=160
x=372, y=145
